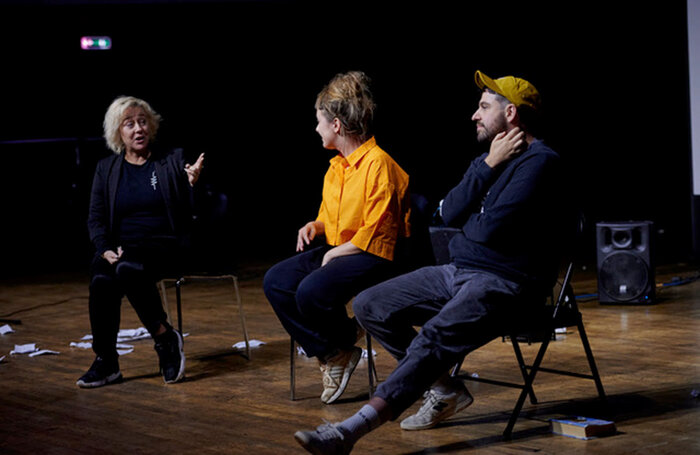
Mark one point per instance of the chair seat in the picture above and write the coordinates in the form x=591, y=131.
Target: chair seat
x=541, y=323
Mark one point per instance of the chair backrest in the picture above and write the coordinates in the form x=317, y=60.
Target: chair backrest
x=415, y=251
x=565, y=312
x=212, y=236
x=440, y=237
x=566, y=297
x=565, y=306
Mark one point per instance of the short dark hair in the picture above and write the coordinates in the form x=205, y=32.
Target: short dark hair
x=530, y=119
x=502, y=100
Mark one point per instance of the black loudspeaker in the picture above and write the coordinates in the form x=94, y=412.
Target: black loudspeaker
x=625, y=262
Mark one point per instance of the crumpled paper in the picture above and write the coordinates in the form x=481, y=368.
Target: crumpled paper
x=31, y=349
x=251, y=343
x=123, y=335
x=126, y=335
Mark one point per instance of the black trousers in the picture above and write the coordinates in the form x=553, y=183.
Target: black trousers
x=310, y=300
x=135, y=276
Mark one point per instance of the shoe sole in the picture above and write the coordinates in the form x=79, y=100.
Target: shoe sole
x=459, y=408
x=180, y=347
x=303, y=441
x=111, y=379
x=352, y=364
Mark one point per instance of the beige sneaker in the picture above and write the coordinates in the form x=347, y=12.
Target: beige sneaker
x=437, y=407
x=336, y=373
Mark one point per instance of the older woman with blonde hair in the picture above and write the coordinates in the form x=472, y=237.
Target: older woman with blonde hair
x=364, y=210
x=140, y=210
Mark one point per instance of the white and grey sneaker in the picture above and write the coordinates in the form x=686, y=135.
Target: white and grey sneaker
x=327, y=439
x=438, y=407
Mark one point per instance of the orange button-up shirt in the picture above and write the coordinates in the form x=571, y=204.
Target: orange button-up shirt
x=366, y=201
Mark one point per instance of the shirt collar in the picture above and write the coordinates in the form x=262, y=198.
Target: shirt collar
x=357, y=155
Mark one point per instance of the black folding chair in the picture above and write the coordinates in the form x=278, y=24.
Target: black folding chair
x=209, y=260
x=226, y=278
x=541, y=328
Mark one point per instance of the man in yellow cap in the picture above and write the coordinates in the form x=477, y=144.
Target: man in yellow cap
x=504, y=261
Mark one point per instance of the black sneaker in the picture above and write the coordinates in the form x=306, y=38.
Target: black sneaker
x=100, y=373
x=172, y=356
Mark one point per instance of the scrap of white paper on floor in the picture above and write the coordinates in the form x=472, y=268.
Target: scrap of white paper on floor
x=88, y=345
x=6, y=329
x=121, y=348
x=123, y=335
x=2, y=359
x=81, y=345
x=31, y=349
x=251, y=343
x=126, y=335
x=42, y=352
x=23, y=348
x=132, y=334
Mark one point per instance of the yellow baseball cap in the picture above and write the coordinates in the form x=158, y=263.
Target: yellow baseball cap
x=518, y=91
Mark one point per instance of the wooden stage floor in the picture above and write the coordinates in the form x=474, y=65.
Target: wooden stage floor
x=649, y=358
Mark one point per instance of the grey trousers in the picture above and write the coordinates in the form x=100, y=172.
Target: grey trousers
x=458, y=310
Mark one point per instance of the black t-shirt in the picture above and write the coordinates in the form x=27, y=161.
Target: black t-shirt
x=139, y=206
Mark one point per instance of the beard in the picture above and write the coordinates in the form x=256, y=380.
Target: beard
x=488, y=133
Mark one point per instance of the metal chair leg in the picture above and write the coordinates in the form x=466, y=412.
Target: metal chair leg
x=455, y=369
x=523, y=367
x=164, y=298
x=527, y=387
x=292, y=367
x=236, y=300
x=242, y=316
x=178, y=297
x=591, y=360
x=371, y=369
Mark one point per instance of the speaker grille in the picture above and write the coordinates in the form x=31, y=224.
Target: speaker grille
x=623, y=276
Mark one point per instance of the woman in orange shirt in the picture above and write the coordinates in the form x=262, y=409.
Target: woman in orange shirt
x=364, y=209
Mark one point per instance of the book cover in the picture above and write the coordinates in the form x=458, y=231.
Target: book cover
x=582, y=427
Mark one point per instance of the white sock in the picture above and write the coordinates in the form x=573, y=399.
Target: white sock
x=358, y=425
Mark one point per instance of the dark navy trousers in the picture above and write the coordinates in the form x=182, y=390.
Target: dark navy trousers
x=458, y=310
x=310, y=300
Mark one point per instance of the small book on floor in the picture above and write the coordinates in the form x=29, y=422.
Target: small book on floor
x=583, y=427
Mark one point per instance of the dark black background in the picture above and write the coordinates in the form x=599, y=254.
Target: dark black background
x=238, y=80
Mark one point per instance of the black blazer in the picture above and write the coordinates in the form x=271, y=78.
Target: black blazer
x=177, y=194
